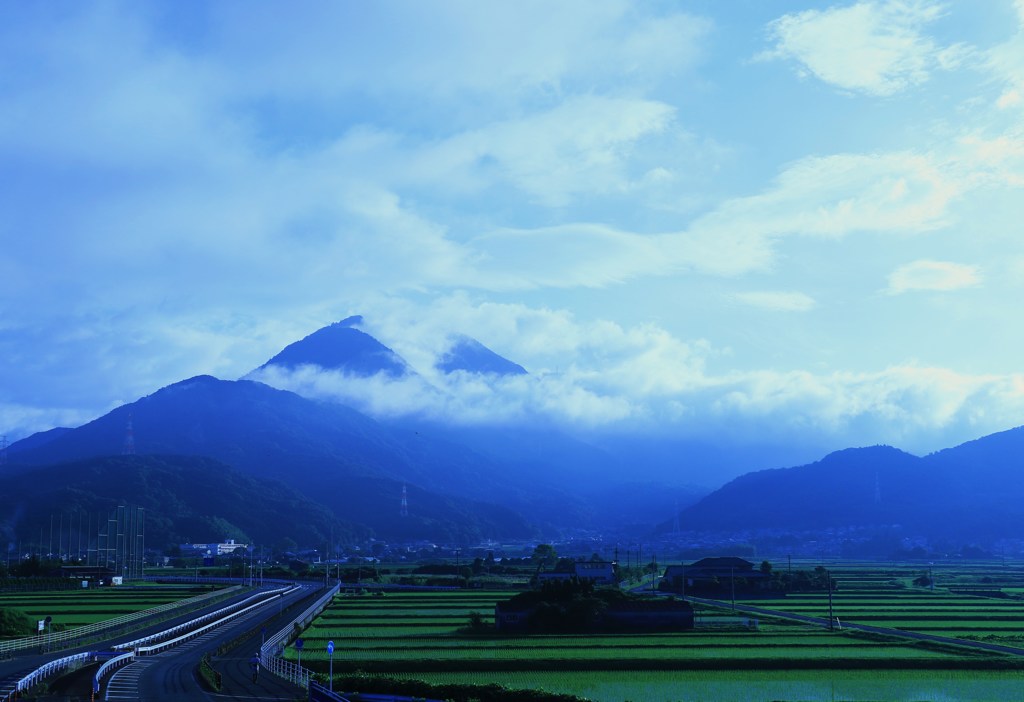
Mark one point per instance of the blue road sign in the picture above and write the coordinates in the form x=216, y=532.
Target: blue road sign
x=298, y=644
x=330, y=647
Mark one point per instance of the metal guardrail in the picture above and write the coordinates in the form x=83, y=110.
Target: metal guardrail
x=278, y=666
x=60, y=665
x=163, y=645
x=56, y=640
x=194, y=622
x=319, y=693
x=137, y=650
x=110, y=665
x=302, y=676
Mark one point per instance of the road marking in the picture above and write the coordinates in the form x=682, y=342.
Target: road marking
x=124, y=684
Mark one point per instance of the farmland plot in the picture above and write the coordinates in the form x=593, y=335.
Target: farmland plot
x=423, y=636
x=71, y=608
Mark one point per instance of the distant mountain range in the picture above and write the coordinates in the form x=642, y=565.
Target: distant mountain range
x=471, y=482
x=327, y=452
x=972, y=491
x=461, y=483
x=186, y=498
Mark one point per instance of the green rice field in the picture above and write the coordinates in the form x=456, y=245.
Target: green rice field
x=71, y=608
x=755, y=686
x=980, y=602
x=422, y=636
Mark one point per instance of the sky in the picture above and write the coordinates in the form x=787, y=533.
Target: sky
x=741, y=221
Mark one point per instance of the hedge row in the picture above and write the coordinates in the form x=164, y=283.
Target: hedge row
x=450, y=692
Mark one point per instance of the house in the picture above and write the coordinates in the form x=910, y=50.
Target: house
x=222, y=549
x=230, y=547
x=713, y=575
x=631, y=614
x=595, y=572
x=655, y=614
x=95, y=573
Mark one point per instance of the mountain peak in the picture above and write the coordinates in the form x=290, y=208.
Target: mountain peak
x=879, y=452
x=468, y=354
x=342, y=347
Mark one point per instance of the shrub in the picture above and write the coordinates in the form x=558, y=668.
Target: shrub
x=14, y=622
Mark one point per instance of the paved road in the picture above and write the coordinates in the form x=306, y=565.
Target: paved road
x=80, y=685
x=823, y=621
x=171, y=676
x=25, y=662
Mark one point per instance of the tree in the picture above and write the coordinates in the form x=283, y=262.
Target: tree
x=14, y=622
x=544, y=556
x=477, y=622
x=766, y=567
x=285, y=546
x=565, y=565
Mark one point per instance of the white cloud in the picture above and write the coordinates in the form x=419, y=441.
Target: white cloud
x=642, y=376
x=1006, y=62
x=933, y=275
x=19, y=421
x=1009, y=98
x=875, y=48
x=458, y=52
x=580, y=146
x=189, y=194
x=778, y=301
x=831, y=196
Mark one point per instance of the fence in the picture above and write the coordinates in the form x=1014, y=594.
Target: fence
x=56, y=640
x=269, y=651
x=163, y=645
x=195, y=622
x=192, y=632
x=70, y=662
x=110, y=665
x=319, y=693
x=302, y=677
x=60, y=665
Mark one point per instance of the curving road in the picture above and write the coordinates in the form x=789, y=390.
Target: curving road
x=171, y=676
x=15, y=668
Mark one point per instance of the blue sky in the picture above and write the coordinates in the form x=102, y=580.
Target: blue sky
x=741, y=221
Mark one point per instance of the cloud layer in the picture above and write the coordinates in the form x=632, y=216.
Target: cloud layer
x=669, y=235
x=876, y=48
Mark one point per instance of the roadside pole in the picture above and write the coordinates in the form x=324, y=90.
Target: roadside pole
x=330, y=653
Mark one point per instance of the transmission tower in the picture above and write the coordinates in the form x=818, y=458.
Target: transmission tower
x=3, y=450
x=129, y=439
x=405, y=503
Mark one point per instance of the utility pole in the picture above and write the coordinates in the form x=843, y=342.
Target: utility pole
x=128, y=447
x=831, y=615
x=732, y=582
